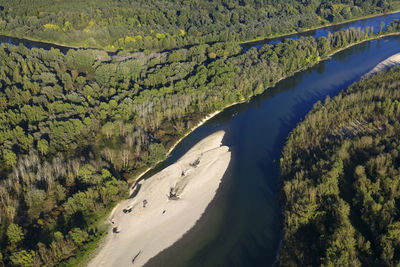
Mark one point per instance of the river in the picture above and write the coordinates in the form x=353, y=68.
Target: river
x=242, y=225
x=32, y=44
x=374, y=22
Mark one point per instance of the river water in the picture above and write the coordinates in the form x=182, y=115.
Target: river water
x=375, y=23
x=242, y=225
x=32, y=44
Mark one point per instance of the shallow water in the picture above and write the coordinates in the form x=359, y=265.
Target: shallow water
x=242, y=226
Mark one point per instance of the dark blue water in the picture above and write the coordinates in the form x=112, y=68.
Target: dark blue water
x=374, y=22
x=32, y=44
x=242, y=226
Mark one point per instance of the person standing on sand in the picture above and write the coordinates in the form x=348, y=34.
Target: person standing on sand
x=114, y=227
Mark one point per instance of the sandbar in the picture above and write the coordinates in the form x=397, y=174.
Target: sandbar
x=388, y=63
x=167, y=205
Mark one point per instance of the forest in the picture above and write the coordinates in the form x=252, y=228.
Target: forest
x=76, y=128
x=156, y=25
x=340, y=175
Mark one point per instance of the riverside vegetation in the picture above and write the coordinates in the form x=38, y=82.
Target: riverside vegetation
x=340, y=170
x=74, y=126
x=157, y=24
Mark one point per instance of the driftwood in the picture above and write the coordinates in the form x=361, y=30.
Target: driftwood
x=127, y=210
x=195, y=163
x=172, y=195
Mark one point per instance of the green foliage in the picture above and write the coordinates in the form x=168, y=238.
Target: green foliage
x=160, y=25
x=340, y=170
x=14, y=233
x=43, y=146
x=156, y=153
x=106, y=174
x=80, y=59
x=323, y=46
x=81, y=202
x=73, y=126
x=78, y=236
x=23, y=258
x=9, y=158
x=86, y=173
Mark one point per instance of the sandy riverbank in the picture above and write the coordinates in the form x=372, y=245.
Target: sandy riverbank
x=201, y=122
x=146, y=231
x=388, y=63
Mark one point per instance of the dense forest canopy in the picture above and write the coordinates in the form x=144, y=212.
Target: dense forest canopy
x=75, y=126
x=163, y=24
x=340, y=171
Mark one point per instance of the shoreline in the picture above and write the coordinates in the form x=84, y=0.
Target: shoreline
x=201, y=122
x=152, y=227
x=390, y=62
x=191, y=130
x=211, y=115
x=249, y=42
x=280, y=241
x=245, y=42
x=381, y=66
x=63, y=45
x=363, y=41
